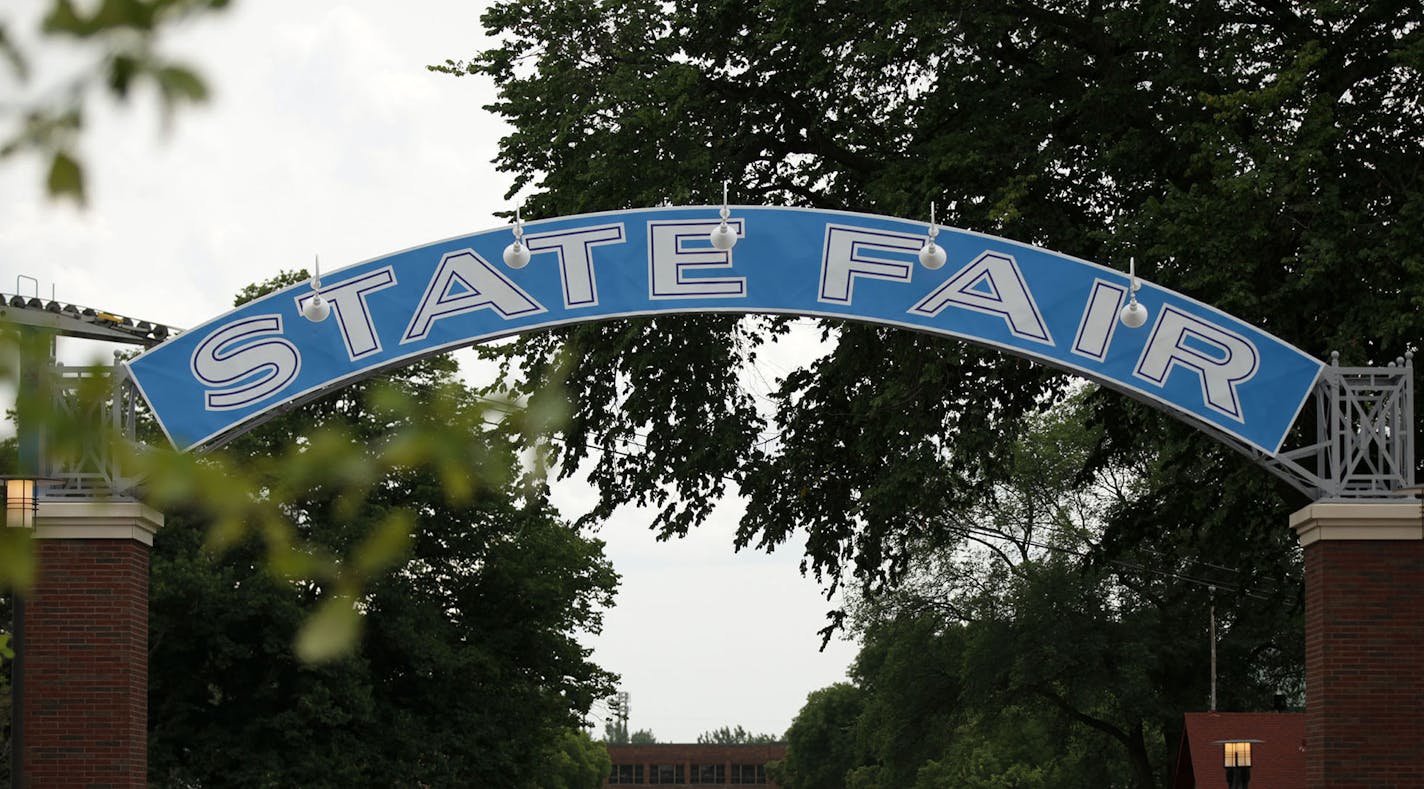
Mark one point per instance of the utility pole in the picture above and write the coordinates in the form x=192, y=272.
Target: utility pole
x=1213, y=648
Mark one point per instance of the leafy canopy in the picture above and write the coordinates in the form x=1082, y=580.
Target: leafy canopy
x=466, y=667
x=1259, y=156
x=734, y=736
x=1020, y=656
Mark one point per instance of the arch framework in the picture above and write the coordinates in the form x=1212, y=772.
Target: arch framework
x=1363, y=536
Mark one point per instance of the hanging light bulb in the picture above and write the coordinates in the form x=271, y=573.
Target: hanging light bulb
x=516, y=255
x=724, y=237
x=1133, y=315
x=932, y=255
x=316, y=308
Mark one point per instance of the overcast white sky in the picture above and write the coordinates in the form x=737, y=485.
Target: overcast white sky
x=327, y=135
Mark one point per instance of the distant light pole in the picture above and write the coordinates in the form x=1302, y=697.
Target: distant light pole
x=1212, y=636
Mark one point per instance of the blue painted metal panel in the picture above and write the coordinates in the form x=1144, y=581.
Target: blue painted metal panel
x=1194, y=360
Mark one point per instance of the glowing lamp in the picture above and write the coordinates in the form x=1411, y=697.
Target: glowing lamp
x=22, y=503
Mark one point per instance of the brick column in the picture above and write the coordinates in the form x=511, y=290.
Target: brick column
x=1364, y=643
x=84, y=701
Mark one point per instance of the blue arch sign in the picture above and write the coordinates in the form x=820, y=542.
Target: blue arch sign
x=214, y=381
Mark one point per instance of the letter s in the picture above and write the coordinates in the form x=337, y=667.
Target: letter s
x=244, y=353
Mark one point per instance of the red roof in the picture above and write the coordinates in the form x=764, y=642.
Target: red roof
x=1277, y=761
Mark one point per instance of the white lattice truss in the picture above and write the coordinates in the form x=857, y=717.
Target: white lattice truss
x=1363, y=424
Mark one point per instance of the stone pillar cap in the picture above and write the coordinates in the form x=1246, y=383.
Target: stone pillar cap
x=1388, y=519
x=97, y=520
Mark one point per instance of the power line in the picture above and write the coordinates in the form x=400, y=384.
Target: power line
x=968, y=530
x=981, y=532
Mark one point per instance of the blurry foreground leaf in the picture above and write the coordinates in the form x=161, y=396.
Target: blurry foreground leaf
x=329, y=633
x=119, y=39
x=65, y=178
x=386, y=545
x=11, y=54
x=181, y=84
x=332, y=493
x=17, y=559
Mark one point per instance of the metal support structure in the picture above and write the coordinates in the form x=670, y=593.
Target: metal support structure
x=1364, y=428
x=74, y=320
x=1363, y=448
x=91, y=470
x=87, y=467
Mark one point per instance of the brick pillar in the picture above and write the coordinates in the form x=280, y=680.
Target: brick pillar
x=84, y=646
x=1364, y=643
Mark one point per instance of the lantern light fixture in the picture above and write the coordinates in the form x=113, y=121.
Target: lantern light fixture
x=316, y=308
x=932, y=255
x=22, y=503
x=723, y=237
x=516, y=255
x=1134, y=314
x=1237, y=753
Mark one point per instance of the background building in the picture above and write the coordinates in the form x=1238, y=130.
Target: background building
x=1277, y=748
x=692, y=764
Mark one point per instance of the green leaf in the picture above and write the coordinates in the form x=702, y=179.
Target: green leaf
x=122, y=70
x=225, y=533
x=12, y=53
x=181, y=84
x=387, y=544
x=17, y=559
x=62, y=18
x=330, y=633
x=66, y=178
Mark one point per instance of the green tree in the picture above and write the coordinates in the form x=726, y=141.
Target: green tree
x=1007, y=698
x=642, y=737
x=1015, y=656
x=734, y=736
x=577, y=762
x=468, y=670
x=120, y=42
x=907, y=670
x=1255, y=155
x=821, y=748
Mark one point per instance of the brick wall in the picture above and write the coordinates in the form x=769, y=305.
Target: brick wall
x=85, y=671
x=687, y=754
x=1365, y=663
